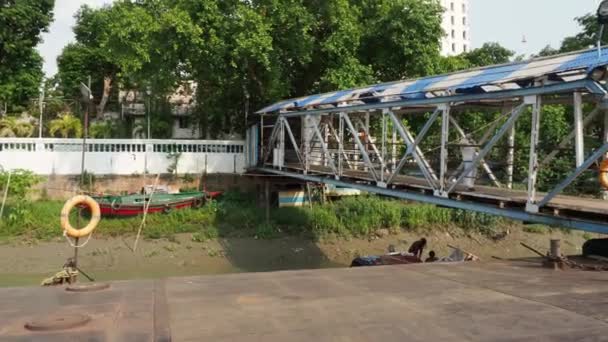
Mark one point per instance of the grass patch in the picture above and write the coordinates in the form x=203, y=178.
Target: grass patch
x=238, y=215
x=535, y=229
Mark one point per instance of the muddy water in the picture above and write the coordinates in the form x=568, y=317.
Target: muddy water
x=113, y=259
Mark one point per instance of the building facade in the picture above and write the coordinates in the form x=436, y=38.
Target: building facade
x=457, y=38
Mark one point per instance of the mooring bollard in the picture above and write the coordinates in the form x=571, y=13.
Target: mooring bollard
x=556, y=248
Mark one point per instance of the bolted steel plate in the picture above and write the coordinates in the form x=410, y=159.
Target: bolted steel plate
x=58, y=322
x=87, y=287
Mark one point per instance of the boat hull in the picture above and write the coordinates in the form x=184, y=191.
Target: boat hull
x=134, y=205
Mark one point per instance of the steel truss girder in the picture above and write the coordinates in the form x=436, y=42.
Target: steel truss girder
x=513, y=214
x=485, y=165
x=423, y=164
x=411, y=148
x=369, y=140
x=326, y=151
x=355, y=135
x=293, y=141
x=599, y=153
x=587, y=85
x=568, y=139
x=488, y=147
x=340, y=144
x=533, y=166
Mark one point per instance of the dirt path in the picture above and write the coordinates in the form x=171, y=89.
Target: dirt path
x=112, y=259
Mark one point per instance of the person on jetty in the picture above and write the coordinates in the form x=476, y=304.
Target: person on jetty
x=417, y=248
x=432, y=257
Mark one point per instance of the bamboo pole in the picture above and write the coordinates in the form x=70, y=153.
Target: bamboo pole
x=146, y=207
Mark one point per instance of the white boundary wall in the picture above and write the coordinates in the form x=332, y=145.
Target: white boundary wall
x=121, y=157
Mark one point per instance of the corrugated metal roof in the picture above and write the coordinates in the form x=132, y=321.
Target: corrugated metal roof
x=559, y=68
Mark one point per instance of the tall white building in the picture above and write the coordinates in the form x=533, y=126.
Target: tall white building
x=456, y=26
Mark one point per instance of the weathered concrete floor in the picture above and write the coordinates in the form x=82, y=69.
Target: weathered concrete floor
x=457, y=302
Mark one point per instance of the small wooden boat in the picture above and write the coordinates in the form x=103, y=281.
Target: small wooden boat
x=133, y=205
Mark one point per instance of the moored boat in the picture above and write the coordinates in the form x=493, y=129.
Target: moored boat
x=135, y=204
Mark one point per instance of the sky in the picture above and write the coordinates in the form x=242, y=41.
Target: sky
x=542, y=22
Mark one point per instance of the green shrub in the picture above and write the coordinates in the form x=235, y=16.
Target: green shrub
x=417, y=216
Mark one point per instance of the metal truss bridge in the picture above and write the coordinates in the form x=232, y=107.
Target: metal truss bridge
x=408, y=140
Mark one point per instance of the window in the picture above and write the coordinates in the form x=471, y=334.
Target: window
x=464, y=34
x=183, y=122
x=453, y=47
x=465, y=48
x=453, y=20
x=464, y=8
x=452, y=6
x=453, y=33
x=464, y=20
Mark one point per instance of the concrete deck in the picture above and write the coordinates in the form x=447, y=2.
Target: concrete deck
x=502, y=301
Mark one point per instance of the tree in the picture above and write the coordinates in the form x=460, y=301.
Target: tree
x=21, y=23
x=586, y=38
x=66, y=125
x=11, y=127
x=488, y=54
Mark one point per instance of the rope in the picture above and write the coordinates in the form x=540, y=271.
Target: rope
x=73, y=244
x=143, y=220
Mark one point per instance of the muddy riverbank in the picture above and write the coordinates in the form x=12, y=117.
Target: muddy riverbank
x=27, y=263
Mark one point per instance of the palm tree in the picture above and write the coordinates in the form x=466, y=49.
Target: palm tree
x=10, y=127
x=66, y=125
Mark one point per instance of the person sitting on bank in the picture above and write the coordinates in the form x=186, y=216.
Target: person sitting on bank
x=417, y=248
x=432, y=257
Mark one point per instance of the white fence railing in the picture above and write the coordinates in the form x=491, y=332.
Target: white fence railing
x=122, y=157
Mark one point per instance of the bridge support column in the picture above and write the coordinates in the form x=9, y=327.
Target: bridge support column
x=510, y=153
x=443, y=163
x=579, y=142
x=536, y=102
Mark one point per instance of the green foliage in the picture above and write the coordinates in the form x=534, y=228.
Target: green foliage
x=11, y=127
x=103, y=130
x=21, y=23
x=535, y=229
x=424, y=216
x=66, y=126
x=473, y=221
x=22, y=182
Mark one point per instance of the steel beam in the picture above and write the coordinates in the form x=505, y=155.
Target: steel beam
x=579, y=142
x=533, y=166
x=568, y=139
x=341, y=152
x=488, y=147
x=271, y=139
x=414, y=147
x=326, y=152
x=594, y=227
x=584, y=166
x=365, y=126
x=293, y=141
x=443, y=162
x=485, y=165
x=355, y=135
x=587, y=85
x=423, y=164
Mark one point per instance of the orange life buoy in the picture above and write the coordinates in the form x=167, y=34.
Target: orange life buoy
x=65, y=216
x=604, y=174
